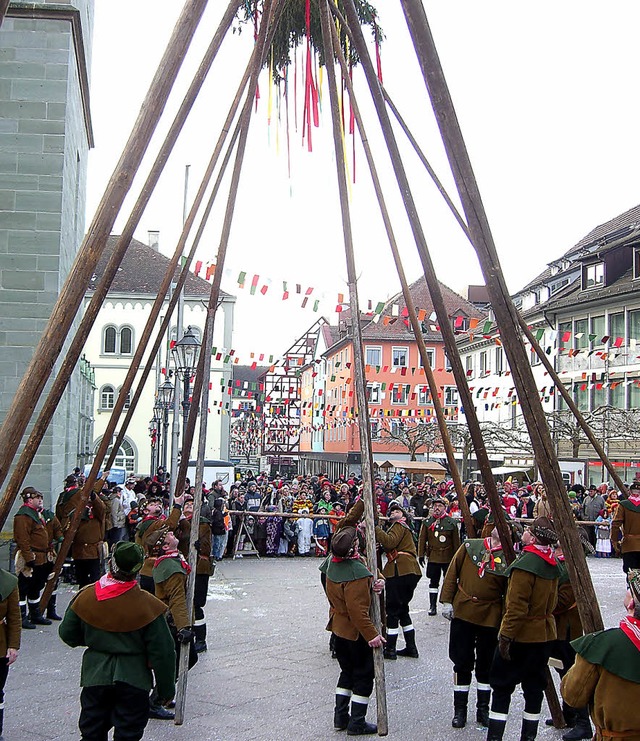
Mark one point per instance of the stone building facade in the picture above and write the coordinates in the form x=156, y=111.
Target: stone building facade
x=45, y=136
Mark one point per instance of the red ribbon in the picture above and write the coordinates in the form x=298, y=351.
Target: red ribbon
x=492, y=559
x=630, y=626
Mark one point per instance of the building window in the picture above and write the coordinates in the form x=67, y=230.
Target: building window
x=127, y=402
x=450, y=396
x=126, y=457
x=373, y=356
x=564, y=336
x=400, y=357
x=597, y=329
x=468, y=366
x=593, y=276
x=598, y=396
x=375, y=424
x=634, y=394
x=634, y=326
x=126, y=341
x=400, y=394
x=109, y=340
x=117, y=340
x=499, y=360
x=424, y=396
x=447, y=363
x=616, y=395
x=484, y=363
x=581, y=396
x=581, y=334
x=636, y=264
x=431, y=355
x=107, y=397
x=373, y=393
x=616, y=326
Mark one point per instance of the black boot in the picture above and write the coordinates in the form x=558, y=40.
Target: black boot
x=482, y=707
x=36, y=617
x=495, y=732
x=529, y=730
x=358, y=726
x=410, y=649
x=582, y=728
x=460, y=701
x=51, y=609
x=156, y=710
x=433, y=600
x=390, y=646
x=341, y=711
x=200, y=633
x=26, y=623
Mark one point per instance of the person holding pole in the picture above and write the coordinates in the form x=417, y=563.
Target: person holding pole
x=402, y=573
x=348, y=589
x=153, y=521
x=606, y=673
x=127, y=639
x=472, y=594
x=526, y=630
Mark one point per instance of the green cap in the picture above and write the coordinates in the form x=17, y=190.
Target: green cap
x=128, y=557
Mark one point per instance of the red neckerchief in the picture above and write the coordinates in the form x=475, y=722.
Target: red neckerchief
x=634, y=500
x=154, y=517
x=337, y=559
x=492, y=559
x=545, y=552
x=630, y=626
x=175, y=554
x=39, y=513
x=434, y=524
x=108, y=587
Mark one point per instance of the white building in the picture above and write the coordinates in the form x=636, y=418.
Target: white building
x=112, y=343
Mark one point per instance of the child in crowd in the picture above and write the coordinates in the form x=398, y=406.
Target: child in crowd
x=603, y=534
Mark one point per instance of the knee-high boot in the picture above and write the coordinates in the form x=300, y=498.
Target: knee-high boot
x=51, y=608
x=497, y=724
x=529, y=728
x=460, y=703
x=341, y=711
x=482, y=705
x=582, y=728
x=200, y=633
x=410, y=649
x=26, y=623
x=35, y=616
x=433, y=601
x=358, y=725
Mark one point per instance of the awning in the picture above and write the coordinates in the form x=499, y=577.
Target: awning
x=428, y=468
x=499, y=470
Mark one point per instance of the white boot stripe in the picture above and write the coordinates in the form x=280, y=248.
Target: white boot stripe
x=530, y=716
x=360, y=700
x=343, y=692
x=498, y=716
x=485, y=687
x=407, y=628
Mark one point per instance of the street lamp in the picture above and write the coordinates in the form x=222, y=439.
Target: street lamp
x=186, y=353
x=165, y=401
x=157, y=419
x=153, y=434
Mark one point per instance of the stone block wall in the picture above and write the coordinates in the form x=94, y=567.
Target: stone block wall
x=43, y=158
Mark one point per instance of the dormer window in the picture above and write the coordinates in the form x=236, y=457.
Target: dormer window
x=636, y=263
x=593, y=276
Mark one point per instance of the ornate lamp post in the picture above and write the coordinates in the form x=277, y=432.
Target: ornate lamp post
x=165, y=400
x=185, y=358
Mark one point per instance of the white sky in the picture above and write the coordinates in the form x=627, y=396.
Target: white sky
x=548, y=101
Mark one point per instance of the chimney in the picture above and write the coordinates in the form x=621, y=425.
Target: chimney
x=154, y=240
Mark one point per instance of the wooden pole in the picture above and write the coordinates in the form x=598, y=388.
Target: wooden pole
x=358, y=358
x=504, y=310
x=77, y=345
x=4, y=4
x=433, y=284
x=415, y=325
x=77, y=281
x=201, y=386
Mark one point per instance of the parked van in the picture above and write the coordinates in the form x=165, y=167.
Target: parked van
x=118, y=473
x=213, y=471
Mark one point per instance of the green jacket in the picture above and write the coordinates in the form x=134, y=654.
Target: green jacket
x=118, y=655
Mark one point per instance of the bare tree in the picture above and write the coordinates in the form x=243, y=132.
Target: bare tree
x=415, y=436
x=609, y=424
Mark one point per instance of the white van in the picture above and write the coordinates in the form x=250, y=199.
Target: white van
x=213, y=471
x=118, y=473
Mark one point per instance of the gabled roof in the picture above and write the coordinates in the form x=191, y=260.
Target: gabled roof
x=455, y=305
x=142, y=270
x=613, y=229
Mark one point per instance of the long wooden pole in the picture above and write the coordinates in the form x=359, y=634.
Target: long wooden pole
x=137, y=362
x=364, y=425
x=77, y=345
x=433, y=284
x=77, y=281
x=4, y=4
x=415, y=325
x=201, y=385
x=504, y=310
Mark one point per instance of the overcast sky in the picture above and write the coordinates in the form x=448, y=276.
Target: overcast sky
x=547, y=97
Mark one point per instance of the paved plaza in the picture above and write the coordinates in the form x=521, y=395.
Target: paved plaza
x=268, y=674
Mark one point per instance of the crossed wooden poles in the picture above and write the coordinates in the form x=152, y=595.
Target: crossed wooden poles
x=473, y=222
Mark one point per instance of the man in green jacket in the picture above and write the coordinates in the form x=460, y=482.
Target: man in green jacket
x=127, y=638
x=526, y=631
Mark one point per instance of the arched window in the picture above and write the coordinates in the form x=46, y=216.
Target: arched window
x=126, y=457
x=107, y=397
x=126, y=341
x=110, y=341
